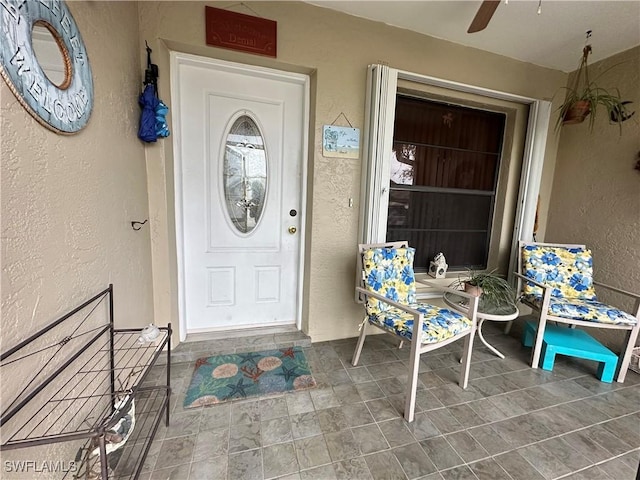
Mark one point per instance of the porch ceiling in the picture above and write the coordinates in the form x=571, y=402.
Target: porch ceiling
x=552, y=39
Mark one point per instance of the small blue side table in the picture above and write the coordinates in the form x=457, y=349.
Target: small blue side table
x=573, y=343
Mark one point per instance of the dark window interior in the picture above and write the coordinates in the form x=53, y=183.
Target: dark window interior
x=444, y=174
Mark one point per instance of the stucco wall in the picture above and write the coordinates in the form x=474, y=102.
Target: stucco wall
x=335, y=50
x=67, y=201
x=596, y=191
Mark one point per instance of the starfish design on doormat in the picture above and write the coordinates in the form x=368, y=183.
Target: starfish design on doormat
x=288, y=352
x=249, y=357
x=288, y=373
x=200, y=362
x=238, y=389
x=237, y=376
x=252, y=374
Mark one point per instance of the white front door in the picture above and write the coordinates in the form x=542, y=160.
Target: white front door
x=239, y=149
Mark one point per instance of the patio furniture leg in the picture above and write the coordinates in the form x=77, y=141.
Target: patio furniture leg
x=548, y=357
x=486, y=344
x=466, y=360
x=414, y=367
x=363, y=334
x=507, y=327
x=537, y=346
x=625, y=355
x=606, y=371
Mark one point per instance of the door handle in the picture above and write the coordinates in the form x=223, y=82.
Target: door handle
x=292, y=230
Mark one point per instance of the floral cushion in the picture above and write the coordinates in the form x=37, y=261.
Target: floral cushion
x=582, y=309
x=389, y=272
x=568, y=271
x=439, y=323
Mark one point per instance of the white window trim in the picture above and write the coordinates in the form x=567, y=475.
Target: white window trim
x=382, y=88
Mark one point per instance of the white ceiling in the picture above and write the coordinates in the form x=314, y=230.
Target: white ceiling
x=552, y=39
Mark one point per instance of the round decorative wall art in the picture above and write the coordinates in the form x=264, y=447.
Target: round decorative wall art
x=64, y=108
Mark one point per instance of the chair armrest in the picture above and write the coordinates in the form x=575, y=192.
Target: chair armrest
x=384, y=299
x=527, y=279
x=435, y=286
x=618, y=290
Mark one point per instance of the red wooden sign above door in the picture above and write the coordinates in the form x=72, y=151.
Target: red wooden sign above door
x=238, y=31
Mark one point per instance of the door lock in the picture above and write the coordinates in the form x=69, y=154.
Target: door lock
x=292, y=230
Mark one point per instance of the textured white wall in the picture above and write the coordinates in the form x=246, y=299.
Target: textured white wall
x=335, y=50
x=67, y=203
x=596, y=191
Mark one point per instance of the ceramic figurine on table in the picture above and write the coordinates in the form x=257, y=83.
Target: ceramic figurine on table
x=438, y=266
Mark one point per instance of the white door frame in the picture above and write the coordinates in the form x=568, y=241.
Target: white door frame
x=382, y=86
x=177, y=59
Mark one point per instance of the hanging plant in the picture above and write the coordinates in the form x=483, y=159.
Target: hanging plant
x=585, y=99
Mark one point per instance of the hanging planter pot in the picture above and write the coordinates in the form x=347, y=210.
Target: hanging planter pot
x=584, y=98
x=577, y=112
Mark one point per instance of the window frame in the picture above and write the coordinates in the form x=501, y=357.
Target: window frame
x=381, y=92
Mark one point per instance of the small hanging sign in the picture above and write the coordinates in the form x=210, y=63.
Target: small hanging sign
x=340, y=142
x=237, y=31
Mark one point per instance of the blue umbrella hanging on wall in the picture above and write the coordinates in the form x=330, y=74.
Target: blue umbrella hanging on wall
x=153, y=122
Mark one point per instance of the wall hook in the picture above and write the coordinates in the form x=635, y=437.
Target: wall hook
x=138, y=225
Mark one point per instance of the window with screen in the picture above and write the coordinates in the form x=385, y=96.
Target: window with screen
x=443, y=180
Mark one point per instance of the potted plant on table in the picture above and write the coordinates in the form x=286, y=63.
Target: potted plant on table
x=491, y=287
x=586, y=98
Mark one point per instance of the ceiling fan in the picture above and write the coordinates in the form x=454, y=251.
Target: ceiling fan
x=484, y=14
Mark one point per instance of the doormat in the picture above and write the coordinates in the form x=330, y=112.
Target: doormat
x=224, y=378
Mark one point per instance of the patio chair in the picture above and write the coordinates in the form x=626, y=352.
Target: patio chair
x=388, y=290
x=557, y=281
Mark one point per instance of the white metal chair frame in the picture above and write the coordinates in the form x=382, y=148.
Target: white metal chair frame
x=417, y=348
x=632, y=330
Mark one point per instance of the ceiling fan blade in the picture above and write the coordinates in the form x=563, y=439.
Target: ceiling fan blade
x=485, y=12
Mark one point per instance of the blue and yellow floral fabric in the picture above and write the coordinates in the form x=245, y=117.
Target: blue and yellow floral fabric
x=569, y=272
x=389, y=272
x=582, y=309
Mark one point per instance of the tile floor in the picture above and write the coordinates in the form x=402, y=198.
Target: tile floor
x=511, y=423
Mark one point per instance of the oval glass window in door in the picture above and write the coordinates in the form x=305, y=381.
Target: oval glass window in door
x=245, y=174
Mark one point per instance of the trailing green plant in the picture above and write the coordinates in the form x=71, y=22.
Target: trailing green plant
x=595, y=98
x=495, y=289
